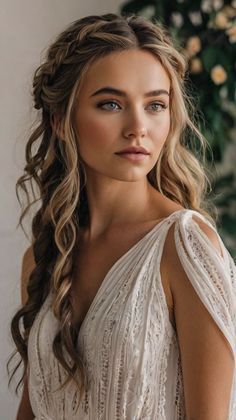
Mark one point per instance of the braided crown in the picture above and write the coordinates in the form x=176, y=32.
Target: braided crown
x=75, y=44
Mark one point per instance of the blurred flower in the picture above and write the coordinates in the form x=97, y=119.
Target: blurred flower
x=231, y=32
x=193, y=45
x=229, y=11
x=196, y=65
x=217, y=4
x=206, y=6
x=148, y=12
x=223, y=92
x=195, y=18
x=218, y=74
x=221, y=20
x=177, y=19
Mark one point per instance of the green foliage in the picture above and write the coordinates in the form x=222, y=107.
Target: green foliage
x=205, y=31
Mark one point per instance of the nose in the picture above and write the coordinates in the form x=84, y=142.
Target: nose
x=135, y=127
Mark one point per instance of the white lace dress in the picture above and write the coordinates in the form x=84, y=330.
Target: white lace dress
x=127, y=342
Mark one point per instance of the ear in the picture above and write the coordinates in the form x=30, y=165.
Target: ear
x=56, y=124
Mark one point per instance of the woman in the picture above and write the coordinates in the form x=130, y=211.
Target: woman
x=128, y=291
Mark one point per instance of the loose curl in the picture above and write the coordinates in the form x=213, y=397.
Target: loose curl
x=59, y=175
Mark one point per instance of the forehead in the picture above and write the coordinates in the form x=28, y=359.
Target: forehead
x=135, y=71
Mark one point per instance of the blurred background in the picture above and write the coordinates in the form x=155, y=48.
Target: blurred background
x=205, y=31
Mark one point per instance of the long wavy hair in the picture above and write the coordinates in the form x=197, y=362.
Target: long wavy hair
x=55, y=169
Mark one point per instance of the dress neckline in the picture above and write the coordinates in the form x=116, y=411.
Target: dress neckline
x=119, y=261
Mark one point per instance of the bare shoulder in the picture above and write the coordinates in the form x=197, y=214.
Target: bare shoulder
x=28, y=264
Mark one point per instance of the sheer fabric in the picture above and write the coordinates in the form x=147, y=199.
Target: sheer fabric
x=127, y=343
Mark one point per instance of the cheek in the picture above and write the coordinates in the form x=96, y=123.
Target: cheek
x=166, y=127
x=161, y=131
x=92, y=131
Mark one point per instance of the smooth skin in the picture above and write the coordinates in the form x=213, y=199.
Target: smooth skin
x=118, y=190
x=121, y=199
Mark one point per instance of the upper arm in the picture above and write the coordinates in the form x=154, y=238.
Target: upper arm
x=25, y=411
x=206, y=358
x=28, y=265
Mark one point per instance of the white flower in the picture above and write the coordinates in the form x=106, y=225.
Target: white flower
x=148, y=12
x=218, y=74
x=196, y=18
x=217, y=4
x=177, y=19
x=223, y=92
x=206, y=6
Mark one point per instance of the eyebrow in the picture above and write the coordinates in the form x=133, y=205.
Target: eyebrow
x=109, y=89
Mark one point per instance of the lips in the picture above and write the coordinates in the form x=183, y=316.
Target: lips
x=129, y=153
x=133, y=157
x=134, y=150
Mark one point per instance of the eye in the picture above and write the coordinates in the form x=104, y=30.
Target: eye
x=157, y=106
x=101, y=105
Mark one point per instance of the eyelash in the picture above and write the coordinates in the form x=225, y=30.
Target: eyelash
x=99, y=105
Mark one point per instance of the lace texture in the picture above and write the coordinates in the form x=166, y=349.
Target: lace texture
x=127, y=343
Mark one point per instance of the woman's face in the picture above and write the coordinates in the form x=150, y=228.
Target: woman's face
x=131, y=109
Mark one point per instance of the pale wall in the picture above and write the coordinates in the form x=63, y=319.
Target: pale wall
x=26, y=26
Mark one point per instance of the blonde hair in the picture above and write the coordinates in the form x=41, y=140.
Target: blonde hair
x=57, y=170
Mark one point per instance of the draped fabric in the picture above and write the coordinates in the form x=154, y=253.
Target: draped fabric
x=127, y=343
